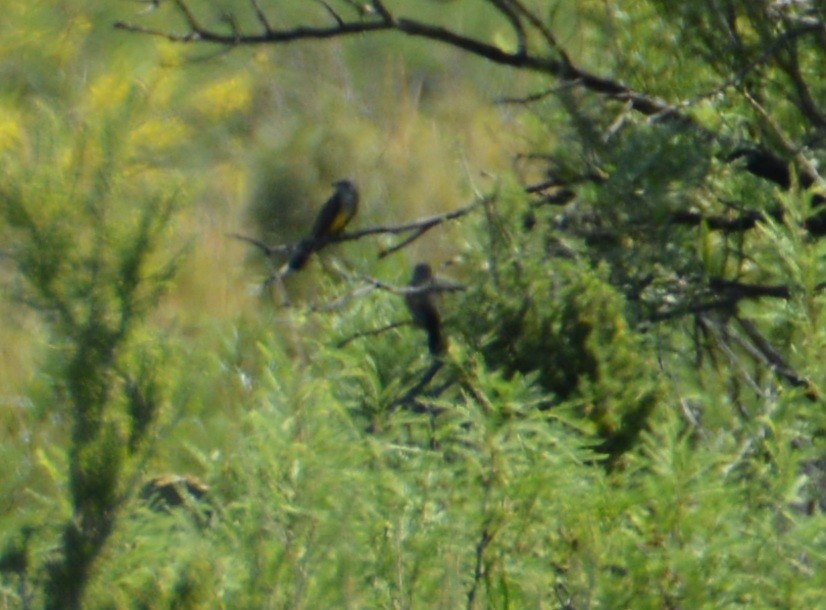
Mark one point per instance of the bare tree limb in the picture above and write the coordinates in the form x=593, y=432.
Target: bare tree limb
x=563, y=69
x=262, y=18
x=382, y=11
x=721, y=336
x=269, y=251
x=372, y=332
x=418, y=228
x=549, y=37
x=409, y=396
x=772, y=358
x=438, y=285
x=790, y=147
x=189, y=16
x=332, y=12
x=504, y=7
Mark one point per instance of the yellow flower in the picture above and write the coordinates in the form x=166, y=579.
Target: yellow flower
x=224, y=98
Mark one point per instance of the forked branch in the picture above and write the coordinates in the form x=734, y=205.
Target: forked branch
x=551, y=59
x=416, y=229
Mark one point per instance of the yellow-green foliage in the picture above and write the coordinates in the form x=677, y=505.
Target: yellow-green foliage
x=561, y=320
x=137, y=340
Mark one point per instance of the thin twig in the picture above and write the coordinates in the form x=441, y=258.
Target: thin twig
x=724, y=346
x=787, y=144
x=334, y=14
x=437, y=285
x=481, y=547
x=262, y=18
x=270, y=251
x=382, y=11
x=424, y=223
x=544, y=30
x=549, y=65
x=372, y=332
x=408, y=240
x=189, y=16
x=345, y=300
x=417, y=389
x=775, y=360
x=539, y=95
x=505, y=7
x=419, y=228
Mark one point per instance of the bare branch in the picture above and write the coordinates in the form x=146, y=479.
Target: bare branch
x=720, y=223
x=806, y=166
x=549, y=37
x=172, y=37
x=763, y=352
x=416, y=235
x=436, y=286
x=739, y=77
x=379, y=7
x=269, y=251
x=774, y=359
x=424, y=223
x=418, y=227
x=233, y=24
x=741, y=290
x=334, y=14
x=417, y=389
x=722, y=337
x=189, y=16
x=372, y=332
x=538, y=63
x=504, y=7
x=262, y=18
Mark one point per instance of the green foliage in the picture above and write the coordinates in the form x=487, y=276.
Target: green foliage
x=86, y=261
x=561, y=320
x=345, y=467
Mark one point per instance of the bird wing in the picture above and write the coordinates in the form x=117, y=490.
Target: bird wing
x=331, y=219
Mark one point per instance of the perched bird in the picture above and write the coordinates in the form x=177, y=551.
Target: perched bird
x=331, y=220
x=422, y=306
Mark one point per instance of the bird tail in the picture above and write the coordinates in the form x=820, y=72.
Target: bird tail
x=302, y=254
x=435, y=339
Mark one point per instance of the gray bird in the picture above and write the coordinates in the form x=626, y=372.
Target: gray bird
x=422, y=306
x=331, y=220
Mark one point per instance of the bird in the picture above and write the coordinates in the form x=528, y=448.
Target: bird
x=422, y=306
x=331, y=220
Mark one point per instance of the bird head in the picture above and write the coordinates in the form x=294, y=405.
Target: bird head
x=344, y=185
x=421, y=273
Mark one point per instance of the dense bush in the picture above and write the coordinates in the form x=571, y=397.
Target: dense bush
x=629, y=413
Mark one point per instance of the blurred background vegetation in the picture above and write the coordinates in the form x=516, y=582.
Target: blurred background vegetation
x=630, y=413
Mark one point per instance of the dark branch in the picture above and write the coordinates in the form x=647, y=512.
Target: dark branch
x=424, y=223
x=436, y=286
x=724, y=295
x=562, y=69
x=720, y=223
x=382, y=11
x=269, y=251
x=332, y=12
x=775, y=360
x=372, y=332
x=262, y=18
x=739, y=290
x=410, y=396
x=549, y=37
x=504, y=7
x=418, y=228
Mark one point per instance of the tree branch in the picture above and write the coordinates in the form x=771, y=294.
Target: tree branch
x=504, y=7
x=418, y=228
x=563, y=69
x=262, y=18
